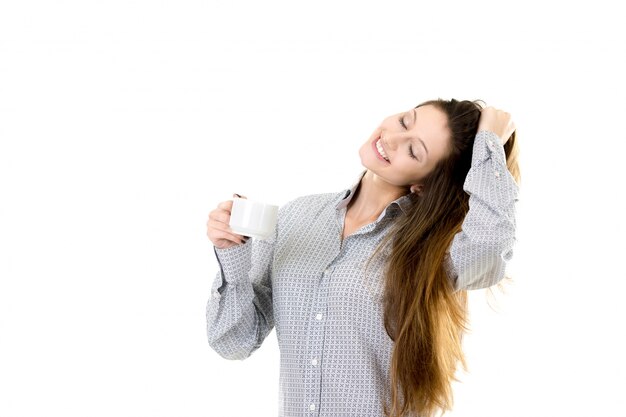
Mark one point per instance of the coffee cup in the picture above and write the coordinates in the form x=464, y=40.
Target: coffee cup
x=253, y=218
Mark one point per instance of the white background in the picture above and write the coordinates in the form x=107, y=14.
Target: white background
x=124, y=123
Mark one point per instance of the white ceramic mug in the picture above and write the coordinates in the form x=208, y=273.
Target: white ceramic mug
x=253, y=218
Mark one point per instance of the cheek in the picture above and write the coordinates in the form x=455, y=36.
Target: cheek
x=414, y=171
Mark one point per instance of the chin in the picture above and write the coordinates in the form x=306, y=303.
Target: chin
x=364, y=158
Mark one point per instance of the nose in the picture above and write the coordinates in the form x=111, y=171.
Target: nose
x=394, y=139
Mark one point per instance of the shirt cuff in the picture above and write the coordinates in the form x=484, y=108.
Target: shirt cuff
x=235, y=262
x=489, y=178
x=488, y=145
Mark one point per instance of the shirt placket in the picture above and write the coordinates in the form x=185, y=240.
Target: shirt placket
x=318, y=323
x=317, y=338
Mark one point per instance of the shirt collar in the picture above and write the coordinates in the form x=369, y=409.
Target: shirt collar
x=345, y=196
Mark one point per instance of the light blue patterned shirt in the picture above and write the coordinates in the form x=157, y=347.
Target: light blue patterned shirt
x=334, y=350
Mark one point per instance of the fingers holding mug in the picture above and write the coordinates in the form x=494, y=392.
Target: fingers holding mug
x=218, y=227
x=221, y=235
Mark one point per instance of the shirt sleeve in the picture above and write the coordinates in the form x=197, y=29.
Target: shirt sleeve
x=239, y=311
x=480, y=251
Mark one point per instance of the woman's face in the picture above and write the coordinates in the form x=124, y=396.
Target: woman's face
x=422, y=132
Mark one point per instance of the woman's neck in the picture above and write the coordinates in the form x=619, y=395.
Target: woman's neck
x=371, y=197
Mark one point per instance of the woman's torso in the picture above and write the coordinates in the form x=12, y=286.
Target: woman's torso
x=328, y=312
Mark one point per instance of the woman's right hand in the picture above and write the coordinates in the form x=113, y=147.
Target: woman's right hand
x=218, y=230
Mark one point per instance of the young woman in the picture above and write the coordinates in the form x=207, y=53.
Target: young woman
x=367, y=287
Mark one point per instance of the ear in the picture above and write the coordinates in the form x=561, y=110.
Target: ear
x=417, y=188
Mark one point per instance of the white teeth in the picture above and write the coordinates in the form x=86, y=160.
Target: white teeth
x=381, y=150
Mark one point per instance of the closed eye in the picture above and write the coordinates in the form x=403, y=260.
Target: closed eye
x=401, y=119
x=411, y=154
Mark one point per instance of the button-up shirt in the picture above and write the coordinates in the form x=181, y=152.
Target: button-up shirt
x=311, y=285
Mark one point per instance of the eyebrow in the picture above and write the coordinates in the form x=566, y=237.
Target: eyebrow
x=414, y=120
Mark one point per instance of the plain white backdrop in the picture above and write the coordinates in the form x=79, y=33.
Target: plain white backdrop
x=124, y=123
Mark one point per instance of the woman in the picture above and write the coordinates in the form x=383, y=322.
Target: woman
x=367, y=287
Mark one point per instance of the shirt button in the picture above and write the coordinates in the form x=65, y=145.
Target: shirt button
x=318, y=316
x=314, y=362
x=497, y=174
x=312, y=407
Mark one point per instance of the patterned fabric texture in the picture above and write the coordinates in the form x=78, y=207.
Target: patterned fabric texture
x=334, y=350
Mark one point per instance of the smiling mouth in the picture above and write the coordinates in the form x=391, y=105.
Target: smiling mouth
x=380, y=150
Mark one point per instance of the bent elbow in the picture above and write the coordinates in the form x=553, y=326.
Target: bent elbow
x=489, y=268
x=227, y=347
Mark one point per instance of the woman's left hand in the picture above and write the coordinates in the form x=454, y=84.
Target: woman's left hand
x=496, y=121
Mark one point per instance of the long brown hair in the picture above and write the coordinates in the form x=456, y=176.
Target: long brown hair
x=424, y=316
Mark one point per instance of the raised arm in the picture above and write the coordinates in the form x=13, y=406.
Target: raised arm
x=480, y=251
x=239, y=311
